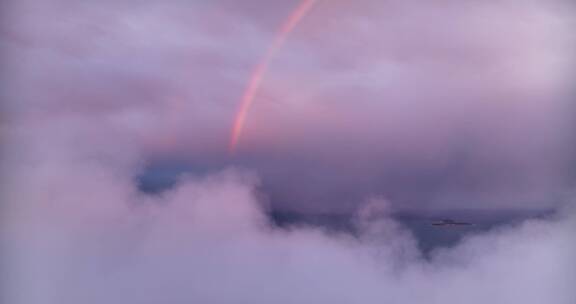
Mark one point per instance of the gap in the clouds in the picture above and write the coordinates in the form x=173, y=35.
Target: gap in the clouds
x=428, y=237
x=159, y=178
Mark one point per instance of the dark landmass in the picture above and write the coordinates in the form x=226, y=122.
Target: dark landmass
x=418, y=222
x=429, y=237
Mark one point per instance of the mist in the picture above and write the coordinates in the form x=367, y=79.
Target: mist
x=97, y=240
x=371, y=108
x=436, y=105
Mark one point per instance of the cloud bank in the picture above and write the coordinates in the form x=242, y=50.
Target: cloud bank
x=443, y=104
x=83, y=234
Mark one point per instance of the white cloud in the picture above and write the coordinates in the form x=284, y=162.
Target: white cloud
x=94, y=90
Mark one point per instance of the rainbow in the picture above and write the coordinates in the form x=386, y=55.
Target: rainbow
x=260, y=70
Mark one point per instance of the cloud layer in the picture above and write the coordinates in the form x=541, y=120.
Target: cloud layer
x=431, y=104
x=83, y=234
x=442, y=104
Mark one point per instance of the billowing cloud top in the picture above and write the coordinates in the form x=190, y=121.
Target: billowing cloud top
x=429, y=104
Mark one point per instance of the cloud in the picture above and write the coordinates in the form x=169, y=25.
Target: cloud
x=76, y=229
x=430, y=104
x=95, y=240
x=451, y=105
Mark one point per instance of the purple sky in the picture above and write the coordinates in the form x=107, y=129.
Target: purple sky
x=438, y=104
x=400, y=104
x=442, y=104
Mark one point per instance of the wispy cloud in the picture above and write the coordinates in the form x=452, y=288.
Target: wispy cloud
x=433, y=105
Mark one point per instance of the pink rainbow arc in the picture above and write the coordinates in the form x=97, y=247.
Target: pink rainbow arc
x=258, y=73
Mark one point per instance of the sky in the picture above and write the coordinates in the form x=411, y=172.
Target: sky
x=435, y=105
x=408, y=105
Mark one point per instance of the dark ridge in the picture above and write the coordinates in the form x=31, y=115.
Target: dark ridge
x=163, y=177
x=428, y=237
x=155, y=180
